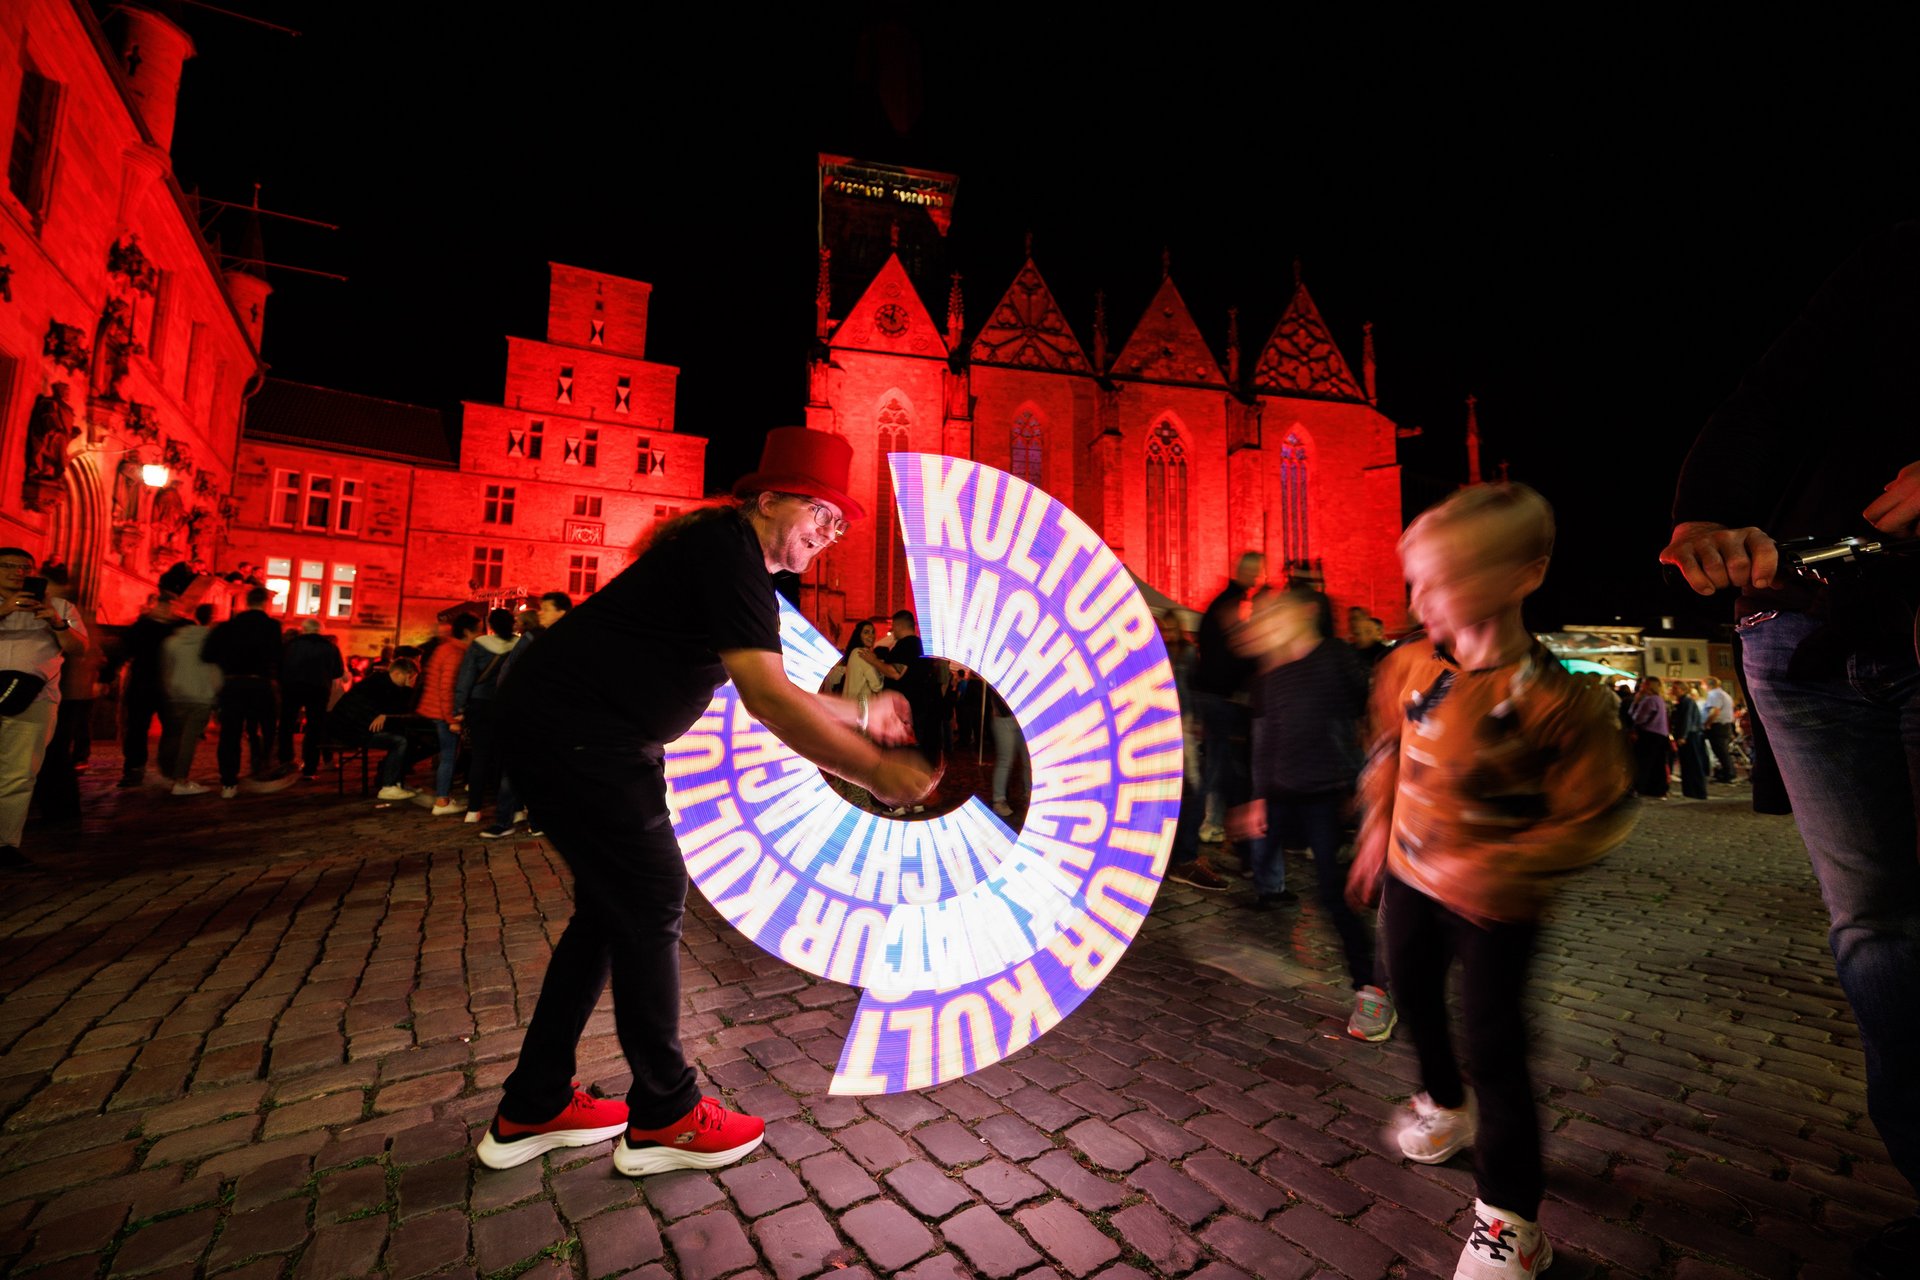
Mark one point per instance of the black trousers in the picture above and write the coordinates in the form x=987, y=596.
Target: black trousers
x=247, y=710
x=1423, y=938
x=605, y=813
x=1721, y=736
x=1316, y=820
x=307, y=702
x=142, y=709
x=483, y=767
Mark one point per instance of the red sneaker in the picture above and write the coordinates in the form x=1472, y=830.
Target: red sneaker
x=585, y=1121
x=705, y=1138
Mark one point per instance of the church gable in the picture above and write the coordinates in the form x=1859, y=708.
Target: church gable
x=890, y=317
x=1301, y=356
x=1166, y=345
x=1027, y=331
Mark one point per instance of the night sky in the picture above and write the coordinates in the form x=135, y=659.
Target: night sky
x=1594, y=231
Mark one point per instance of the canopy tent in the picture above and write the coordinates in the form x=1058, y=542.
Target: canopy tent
x=1580, y=666
x=1159, y=601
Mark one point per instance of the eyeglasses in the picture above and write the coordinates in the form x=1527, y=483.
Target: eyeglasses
x=823, y=518
x=17, y=566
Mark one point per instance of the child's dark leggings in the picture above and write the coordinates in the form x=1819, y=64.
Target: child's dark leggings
x=1422, y=939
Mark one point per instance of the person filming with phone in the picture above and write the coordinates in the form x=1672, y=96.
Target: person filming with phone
x=1820, y=441
x=36, y=636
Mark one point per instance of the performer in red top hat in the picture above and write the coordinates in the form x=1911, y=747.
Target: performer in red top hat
x=587, y=716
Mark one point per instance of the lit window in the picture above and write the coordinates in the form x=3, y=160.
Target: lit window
x=891, y=589
x=340, y=600
x=349, y=506
x=285, y=510
x=306, y=603
x=583, y=575
x=319, y=506
x=499, y=504
x=280, y=582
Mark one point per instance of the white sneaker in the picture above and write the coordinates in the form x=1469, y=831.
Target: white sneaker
x=1434, y=1134
x=451, y=806
x=1503, y=1246
x=520, y=816
x=473, y=815
x=394, y=791
x=188, y=787
x=228, y=793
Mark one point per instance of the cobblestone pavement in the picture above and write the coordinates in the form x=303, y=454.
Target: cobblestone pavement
x=255, y=1038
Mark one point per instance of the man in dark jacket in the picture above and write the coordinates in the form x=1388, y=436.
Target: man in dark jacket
x=246, y=648
x=146, y=699
x=308, y=667
x=371, y=714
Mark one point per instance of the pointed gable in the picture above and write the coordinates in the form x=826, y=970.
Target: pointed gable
x=1027, y=331
x=1301, y=356
x=1166, y=345
x=890, y=317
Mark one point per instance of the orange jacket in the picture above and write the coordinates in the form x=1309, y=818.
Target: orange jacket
x=436, y=682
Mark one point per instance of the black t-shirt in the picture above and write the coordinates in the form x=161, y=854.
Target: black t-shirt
x=638, y=660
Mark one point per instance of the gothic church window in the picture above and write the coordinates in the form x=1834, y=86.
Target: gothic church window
x=1292, y=505
x=1167, y=510
x=1026, y=448
x=891, y=589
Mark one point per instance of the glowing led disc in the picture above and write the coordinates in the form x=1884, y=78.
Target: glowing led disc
x=968, y=940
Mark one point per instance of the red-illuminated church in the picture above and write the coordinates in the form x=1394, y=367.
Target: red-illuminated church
x=1179, y=458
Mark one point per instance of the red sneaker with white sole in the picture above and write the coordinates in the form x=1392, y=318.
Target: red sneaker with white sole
x=707, y=1137
x=585, y=1121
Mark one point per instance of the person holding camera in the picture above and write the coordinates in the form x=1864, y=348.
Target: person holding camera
x=36, y=636
x=1820, y=440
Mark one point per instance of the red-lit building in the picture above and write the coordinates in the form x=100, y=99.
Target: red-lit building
x=126, y=350
x=324, y=489
x=1180, y=457
x=558, y=481
x=365, y=514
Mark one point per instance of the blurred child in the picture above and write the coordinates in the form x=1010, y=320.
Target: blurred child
x=1493, y=773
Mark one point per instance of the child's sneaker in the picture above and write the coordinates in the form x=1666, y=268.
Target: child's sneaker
x=707, y=1137
x=1373, y=1015
x=585, y=1121
x=1503, y=1246
x=1435, y=1134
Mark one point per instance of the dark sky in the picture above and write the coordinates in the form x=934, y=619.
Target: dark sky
x=1594, y=230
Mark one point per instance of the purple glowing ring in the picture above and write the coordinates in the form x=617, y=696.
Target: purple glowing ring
x=969, y=941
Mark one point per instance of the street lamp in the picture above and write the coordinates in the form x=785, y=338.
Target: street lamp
x=155, y=475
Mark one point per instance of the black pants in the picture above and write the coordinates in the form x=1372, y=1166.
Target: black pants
x=1693, y=765
x=1649, y=768
x=1318, y=821
x=306, y=702
x=1422, y=940
x=1721, y=736
x=246, y=709
x=142, y=709
x=603, y=810
x=483, y=768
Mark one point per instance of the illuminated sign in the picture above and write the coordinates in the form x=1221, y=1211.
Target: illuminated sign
x=969, y=940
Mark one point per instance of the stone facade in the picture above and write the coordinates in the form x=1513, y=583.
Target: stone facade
x=123, y=344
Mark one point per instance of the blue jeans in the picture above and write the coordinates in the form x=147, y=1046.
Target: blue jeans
x=449, y=752
x=1841, y=704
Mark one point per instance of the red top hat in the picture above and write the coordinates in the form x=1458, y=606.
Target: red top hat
x=797, y=460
